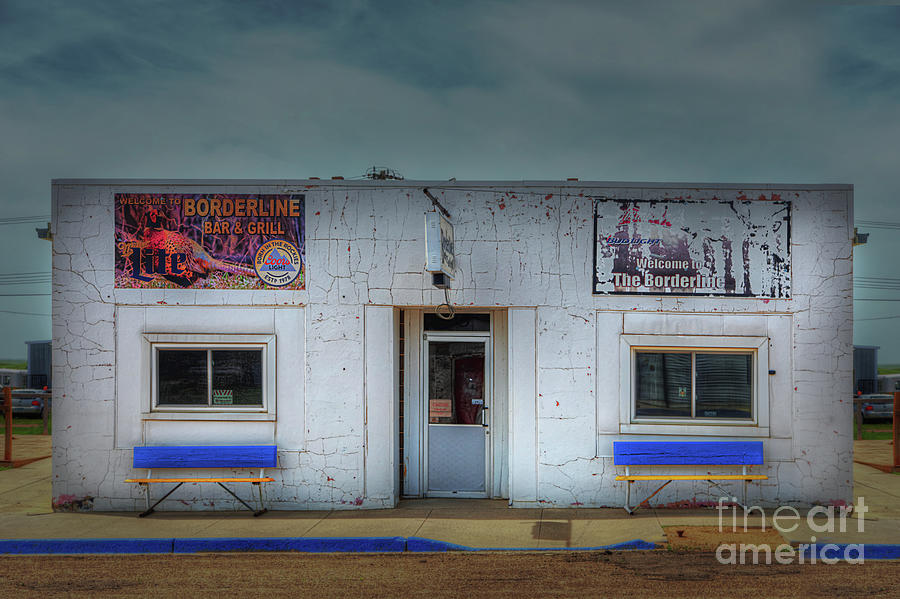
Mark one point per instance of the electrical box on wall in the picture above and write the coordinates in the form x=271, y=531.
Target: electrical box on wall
x=439, y=253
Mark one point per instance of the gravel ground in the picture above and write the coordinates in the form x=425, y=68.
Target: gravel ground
x=565, y=574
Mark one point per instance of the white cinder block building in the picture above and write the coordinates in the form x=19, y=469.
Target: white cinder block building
x=301, y=314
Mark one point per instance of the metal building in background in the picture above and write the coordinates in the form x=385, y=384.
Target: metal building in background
x=40, y=361
x=865, y=368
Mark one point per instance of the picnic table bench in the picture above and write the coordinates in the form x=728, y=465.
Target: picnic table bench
x=702, y=454
x=203, y=457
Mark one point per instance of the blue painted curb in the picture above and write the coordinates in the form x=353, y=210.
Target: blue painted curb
x=417, y=544
x=304, y=544
x=300, y=544
x=851, y=551
x=75, y=546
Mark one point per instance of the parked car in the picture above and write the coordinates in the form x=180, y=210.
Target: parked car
x=25, y=402
x=877, y=406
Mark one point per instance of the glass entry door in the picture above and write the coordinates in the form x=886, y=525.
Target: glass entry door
x=457, y=412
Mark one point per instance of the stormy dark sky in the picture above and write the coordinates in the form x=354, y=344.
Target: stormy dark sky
x=787, y=92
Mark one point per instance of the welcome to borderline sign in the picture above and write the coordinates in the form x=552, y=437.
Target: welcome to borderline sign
x=692, y=247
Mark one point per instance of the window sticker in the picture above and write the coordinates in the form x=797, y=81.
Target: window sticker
x=223, y=397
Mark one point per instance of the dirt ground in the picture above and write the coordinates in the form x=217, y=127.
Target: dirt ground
x=879, y=454
x=708, y=538
x=29, y=447
x=435, y=575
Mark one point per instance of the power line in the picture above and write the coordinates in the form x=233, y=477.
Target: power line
x=19, y=220
x=878, y=224
x=22, y=294
x=876, y=283
x=26, y=278
x=23, y=313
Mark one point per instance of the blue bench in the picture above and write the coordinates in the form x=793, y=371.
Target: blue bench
x=702, y=454
x=202, y=457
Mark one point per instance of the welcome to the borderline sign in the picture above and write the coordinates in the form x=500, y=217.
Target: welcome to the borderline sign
x=692, y=247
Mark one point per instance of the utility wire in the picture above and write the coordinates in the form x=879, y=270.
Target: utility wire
x=18, y=220
x=25, y=278
x=23, y=313
x=22, y=294
x=877, y=224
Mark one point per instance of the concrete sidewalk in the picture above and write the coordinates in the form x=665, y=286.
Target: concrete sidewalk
x=25, y=513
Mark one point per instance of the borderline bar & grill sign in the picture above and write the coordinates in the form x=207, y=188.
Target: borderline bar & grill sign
x=210, y=241
x=693, y=247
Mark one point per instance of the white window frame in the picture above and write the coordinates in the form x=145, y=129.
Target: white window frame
x=153, y=342
x=758, y=426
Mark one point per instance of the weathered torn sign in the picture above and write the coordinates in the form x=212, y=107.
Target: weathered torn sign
x=692, y=247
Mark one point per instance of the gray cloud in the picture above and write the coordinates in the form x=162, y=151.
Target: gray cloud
x=99, y=61
x=688, y=91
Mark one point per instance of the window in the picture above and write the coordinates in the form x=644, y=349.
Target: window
x=212, y=373
x=694, y=385
x=461, y=321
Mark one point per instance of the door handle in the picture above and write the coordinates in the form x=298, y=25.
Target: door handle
x=484, y=410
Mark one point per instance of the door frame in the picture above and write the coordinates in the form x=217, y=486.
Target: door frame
x=485, y=337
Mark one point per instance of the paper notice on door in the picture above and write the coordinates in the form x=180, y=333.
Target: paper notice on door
x=439, y=408
x=477, y=402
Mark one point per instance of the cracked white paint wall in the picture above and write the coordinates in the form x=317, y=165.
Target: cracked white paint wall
x=519, y=246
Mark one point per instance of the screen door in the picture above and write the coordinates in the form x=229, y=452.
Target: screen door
x=457, y=412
